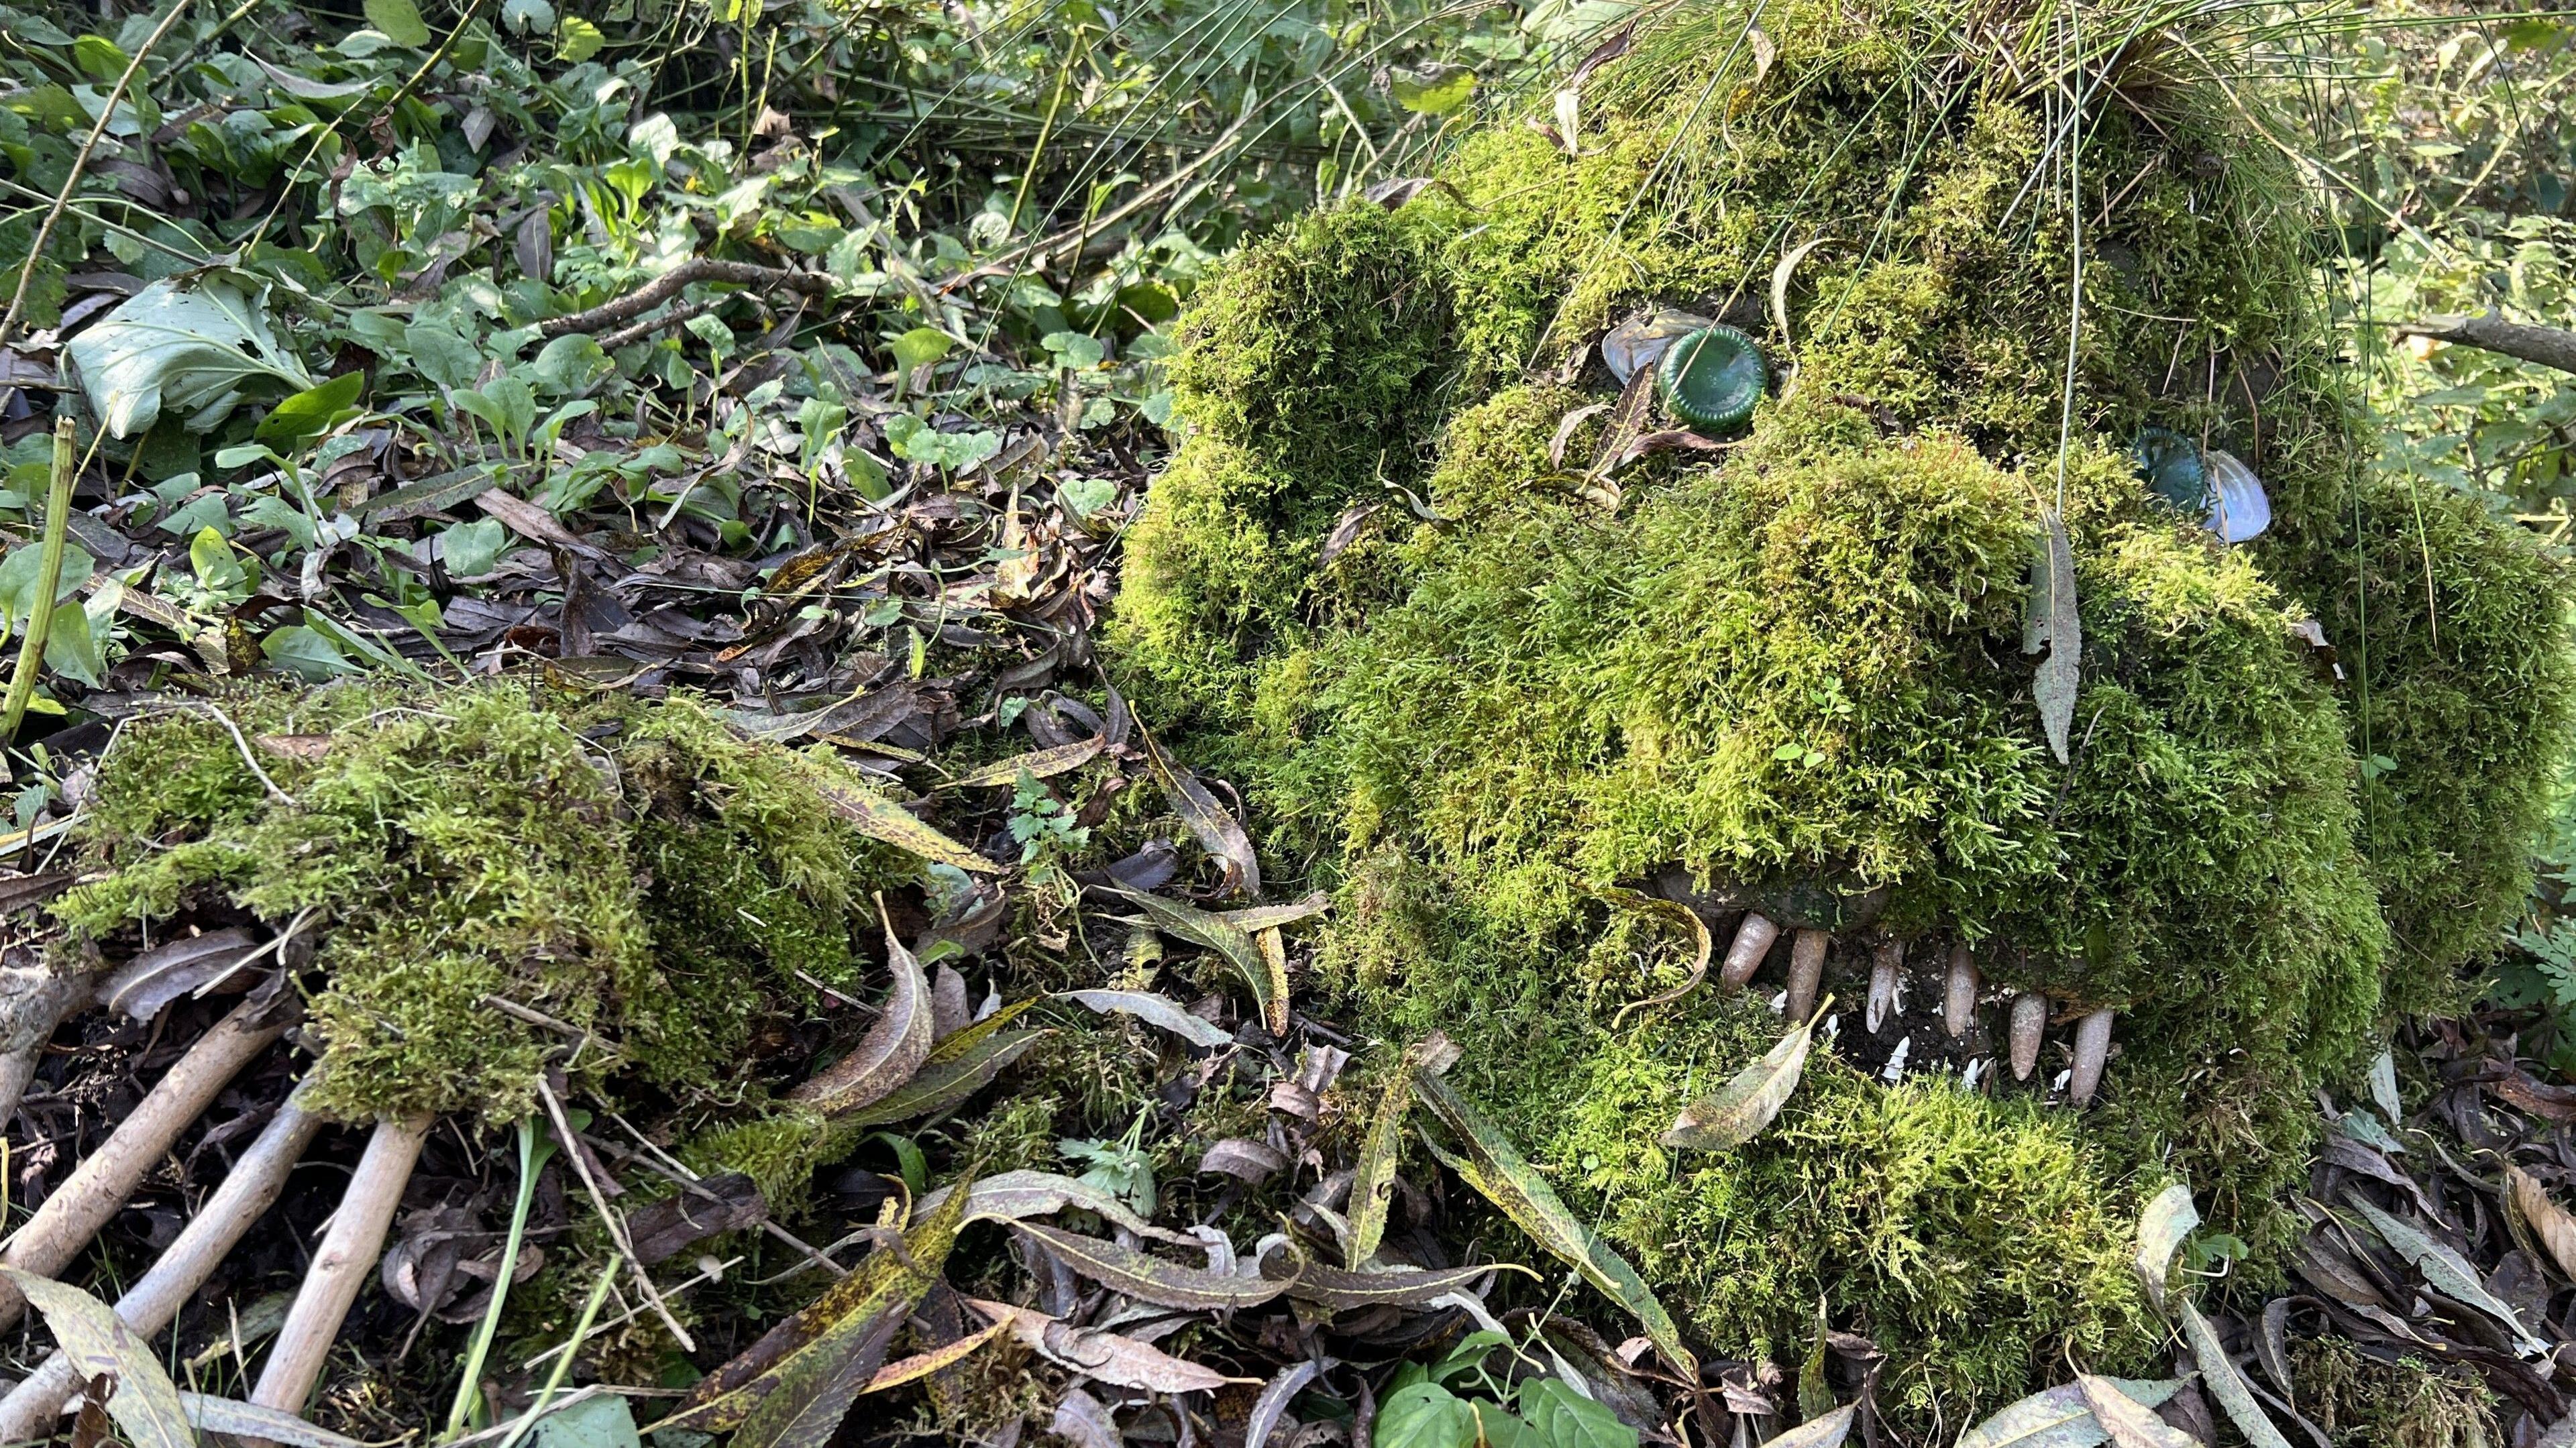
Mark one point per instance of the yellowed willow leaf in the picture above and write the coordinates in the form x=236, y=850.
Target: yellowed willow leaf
x=923, y=1364
x=2130, y=1423
x=1373, y=1178
x=1118, y=1361
x=889, y=823
x=1037, y=764
x=2167, y=1220
x=1217, y=830
x=809, y=1346
x=1498, y=1172
x=2235, y=1397
x=893, y=1050
x=2059, y=1418
x=1148, y=1278
x=1215, y=932
x=1825, y=1431
x=1736, y=1112
x=2549, y=1221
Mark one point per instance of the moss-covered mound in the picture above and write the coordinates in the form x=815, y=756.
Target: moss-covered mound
x=1519, y=687
x=636, y=872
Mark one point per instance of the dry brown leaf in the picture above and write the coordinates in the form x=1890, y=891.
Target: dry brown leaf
x=1119, y=1361
x=2549, y=1221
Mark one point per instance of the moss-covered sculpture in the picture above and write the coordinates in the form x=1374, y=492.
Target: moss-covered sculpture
x=1490, y=689
x=637, y=872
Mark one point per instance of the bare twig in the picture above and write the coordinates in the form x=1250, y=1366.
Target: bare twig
x=248, y=1190
x=105, y=1182
x=634, y=332
x=668, y=285
x=686, y=1180
x=2548, y=346
x=346, y=1259
x=33, y=1003
x=616, y=1224
x=80, y=163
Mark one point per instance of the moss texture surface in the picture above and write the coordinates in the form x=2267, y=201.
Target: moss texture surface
x=1514, y=692
x=637, y=872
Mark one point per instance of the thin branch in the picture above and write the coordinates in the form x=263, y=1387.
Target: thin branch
x=616, y=1225
x=2548, y=346
x=80, y=163
x=662, y=288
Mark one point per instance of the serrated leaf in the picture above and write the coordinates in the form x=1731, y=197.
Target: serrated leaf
x=2130, y=1423
x=2051, y=623
x=146, y=1404
x=2162, y=1226
x=893, y=1050
x=2448, y=1273
x=889, y=823
x=923, y=1364
x=806, y=1356
x=1148, y=1278
x=400, y=22
x=1736, y=1112
x=1498, y=1172
x=195, y=353
x=1215, y=932
x=2235, y=1397
x=2059, y=1418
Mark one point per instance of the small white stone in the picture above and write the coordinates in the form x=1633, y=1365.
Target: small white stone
x=1780, y=1004
x=1894, y=1070
x=1976, y=1072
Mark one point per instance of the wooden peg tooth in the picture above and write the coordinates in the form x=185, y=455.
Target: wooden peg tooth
x=1886, y=972
x=1959, y=993
x=2029, y=1023
x=1806, y=971
x=1744, y=954
x=2092, y=1048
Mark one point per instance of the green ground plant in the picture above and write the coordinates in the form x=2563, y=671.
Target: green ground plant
x=1516, y=691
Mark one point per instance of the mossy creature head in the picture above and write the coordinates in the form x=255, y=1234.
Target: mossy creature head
x=638, y=873
x=1551, y=650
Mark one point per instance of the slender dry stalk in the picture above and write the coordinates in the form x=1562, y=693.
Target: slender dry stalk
x=105, y=1182
x=49, y=582
x=347, y=1258
x=36, y=1406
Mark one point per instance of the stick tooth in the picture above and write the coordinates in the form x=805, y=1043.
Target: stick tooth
x=1887, y=964
x=341, y=1265
x=258, y=1178
x=2092, y=1048
x=1744, y=954
x=2029, y=1022
x=1806, y=971
x=1959, y=993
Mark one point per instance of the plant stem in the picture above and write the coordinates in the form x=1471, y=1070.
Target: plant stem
x=49, y=577
x=470, y=1391
x=563, y=1363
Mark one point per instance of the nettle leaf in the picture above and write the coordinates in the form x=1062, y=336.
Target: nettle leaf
x=1434, y=90
x=189, y=352
x=399, y=20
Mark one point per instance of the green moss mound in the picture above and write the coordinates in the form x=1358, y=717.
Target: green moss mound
x=635, y=871
x=1523, y=687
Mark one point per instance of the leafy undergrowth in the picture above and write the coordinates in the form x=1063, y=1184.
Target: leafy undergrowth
x=681, y=448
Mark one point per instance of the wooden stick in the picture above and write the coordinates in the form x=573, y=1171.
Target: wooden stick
x=1806, y=971
x=32, y=1409
x=1744, y=953
x=34, y=1003
x=346, y=1260
x=616, y=1224
x=2548, y=346
x=105, y=1182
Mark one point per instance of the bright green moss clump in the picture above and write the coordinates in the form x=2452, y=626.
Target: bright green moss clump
x=1528, y=688
x=635, y=871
